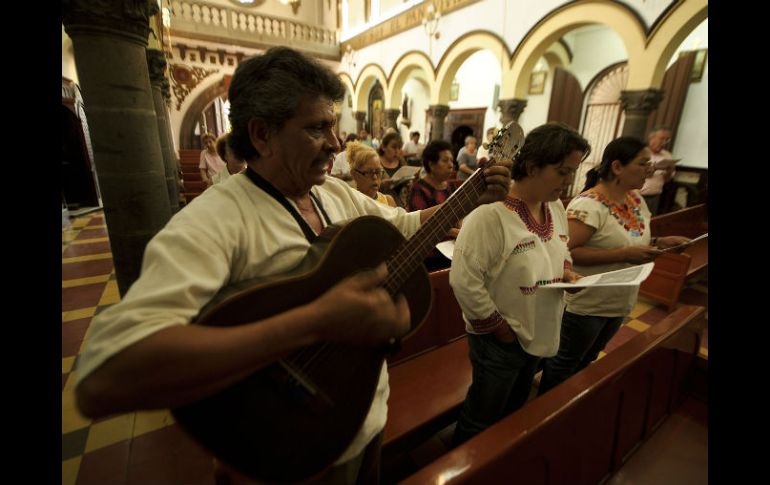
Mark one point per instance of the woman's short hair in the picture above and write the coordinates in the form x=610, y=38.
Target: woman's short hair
x=386, y=141
x=222, y=147
x=359, y=154
x=470, y=138
x=623, y=149
x=208, y=136
x=432, y=152
x=548, y=144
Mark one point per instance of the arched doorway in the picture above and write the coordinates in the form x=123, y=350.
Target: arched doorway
x=376, y=105
x=458, y=139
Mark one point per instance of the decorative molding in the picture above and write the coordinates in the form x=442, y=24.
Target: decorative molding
x=642, y=101
x=207, y=55
x=156, y=64
x=130, y=18
x=511, y=109
x=438, y=111
x=185, y=78
x=406, y=20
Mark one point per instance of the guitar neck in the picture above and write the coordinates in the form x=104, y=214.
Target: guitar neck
x=412, y=253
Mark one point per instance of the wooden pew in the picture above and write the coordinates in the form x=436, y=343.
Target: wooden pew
x=585, y=428
x=689, y=222
x=430, y=376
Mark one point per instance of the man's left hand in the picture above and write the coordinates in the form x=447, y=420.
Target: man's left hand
x=498, y=180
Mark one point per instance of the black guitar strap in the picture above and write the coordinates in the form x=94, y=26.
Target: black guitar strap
x=263, y=184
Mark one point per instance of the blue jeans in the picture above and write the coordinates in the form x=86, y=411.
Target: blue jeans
x=582, y=338
x=502, y=379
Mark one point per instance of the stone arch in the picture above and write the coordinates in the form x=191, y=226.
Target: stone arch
x=187, y=129
x=551, y=28
x=369, y=74
x=405, y=68
x=348, y=82
x=461, y=50
x=664, y=41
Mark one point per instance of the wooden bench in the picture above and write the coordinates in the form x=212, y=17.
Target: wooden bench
x=191, y=176
x=689, y=222
x=430, y=376
x=585, y=428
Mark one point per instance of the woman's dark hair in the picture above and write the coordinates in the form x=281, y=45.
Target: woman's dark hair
x=432, y=152
x=623, y=149
x=269, y=87
x=386, y=141
x=548, y=144
x=221, y=147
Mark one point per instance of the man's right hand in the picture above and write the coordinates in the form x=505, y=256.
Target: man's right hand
x=359, y=310
x=640, y=254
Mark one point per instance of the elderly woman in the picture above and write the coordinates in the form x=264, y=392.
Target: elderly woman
x=609, y=229
x=504, y=254
x=467, y=159
x=233, y=164
x=210, y=163
x=435, y=187
x=367, y=171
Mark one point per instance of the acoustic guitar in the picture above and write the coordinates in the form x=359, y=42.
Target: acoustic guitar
x=293, y=419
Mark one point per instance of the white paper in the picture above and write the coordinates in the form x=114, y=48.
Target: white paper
x=632, y=276
x=447, y=248
x=404, y=172
x=682, y=246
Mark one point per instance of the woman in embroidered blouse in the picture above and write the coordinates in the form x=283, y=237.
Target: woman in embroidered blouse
x=608, y=230
x=367, y=171
x=502, y=256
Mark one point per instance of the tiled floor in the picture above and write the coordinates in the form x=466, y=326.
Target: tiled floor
x=147, y=447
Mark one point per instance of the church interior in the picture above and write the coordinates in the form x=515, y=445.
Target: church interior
x=142, y=81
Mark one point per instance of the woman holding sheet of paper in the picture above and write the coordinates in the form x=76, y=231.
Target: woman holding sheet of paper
x=503, y=256
x=609, y=229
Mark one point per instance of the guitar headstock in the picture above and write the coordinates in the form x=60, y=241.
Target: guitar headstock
x=506, y=143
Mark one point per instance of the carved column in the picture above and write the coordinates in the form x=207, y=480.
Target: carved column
x=156, y=62
x=391, y=115
x=109, y=41
x=360, y=117
x=437, y=113
x=511, y=109
x=638, y=105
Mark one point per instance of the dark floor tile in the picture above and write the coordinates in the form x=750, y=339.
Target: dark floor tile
x=74, y=443
x=105, y=466
x=96, y=221
x=164, y=442
x=91, y=233
x=158, y=470
x=70, y=348
x=74, y=330
x=86, y=249
x=691, y=296
x=84, y=296
x=84, y=269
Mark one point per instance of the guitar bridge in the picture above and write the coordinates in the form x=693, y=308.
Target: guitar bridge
x=300, y=380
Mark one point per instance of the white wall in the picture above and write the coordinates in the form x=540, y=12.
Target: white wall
x=536, y=111
x=594, y=48
x=347, y=122
x=418, y=94
x=477, y=78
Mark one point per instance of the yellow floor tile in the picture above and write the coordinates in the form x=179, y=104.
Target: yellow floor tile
x=71, y=419
x=100, y=226
x=85, y=281
x=69, y=470
x=147, y=421
x=89, y=241
x=78, y=314
x=638, y=326
x=704, y=352
x=69, y=386
x=110, y=432
x=88, y=257
x=639, y=309
x=111, y=294
x=66, y=364
x=80, y=222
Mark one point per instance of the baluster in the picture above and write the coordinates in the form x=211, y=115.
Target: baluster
x=276, y=28
x=196, y=12
x=283, y=29
x=206, y=14
x=215, y=17
x=268, y=27
x=242, y=21
x=252, y=20
x=259, y=23
x=187, y=11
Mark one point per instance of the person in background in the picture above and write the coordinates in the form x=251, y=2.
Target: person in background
x=210, y=163
x=364, y=137
x=505, y=252
x=413, y=149
x=483, y=152
x=367, y=172
x=341, y=166
x=609, y=229
x=392, y=159
x=233, y=165
x=466, y=158
x=662, y=167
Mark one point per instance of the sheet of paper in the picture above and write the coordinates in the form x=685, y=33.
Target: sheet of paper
x=682, y=246
x=447, y=248
x=405, y=172
x=623, y=277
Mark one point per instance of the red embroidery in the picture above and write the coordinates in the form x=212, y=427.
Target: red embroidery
x=544, y=231
x=489, y=324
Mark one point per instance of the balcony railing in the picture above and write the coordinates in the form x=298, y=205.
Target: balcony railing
x=231, y=25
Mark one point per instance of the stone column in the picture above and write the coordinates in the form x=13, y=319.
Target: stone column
x=638, y=105
x=360, y=117
x=511, y=109
x=437, y=113
x=156, y=62
x=109, y=41
x=391, y=115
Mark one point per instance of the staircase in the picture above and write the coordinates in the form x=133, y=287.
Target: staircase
x=191, y=175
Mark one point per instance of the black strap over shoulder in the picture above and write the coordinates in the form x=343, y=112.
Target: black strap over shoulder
x=263, y=184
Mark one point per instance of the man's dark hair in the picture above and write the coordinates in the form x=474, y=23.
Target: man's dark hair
x=414, y=133
x=351, y=137
x=432, y=152
x=548, y=144
x=269, y=87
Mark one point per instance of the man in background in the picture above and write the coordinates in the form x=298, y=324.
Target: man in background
x=662, y=164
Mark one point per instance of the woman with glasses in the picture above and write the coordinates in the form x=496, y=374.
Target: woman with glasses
x=367, y=172
x=435, y=187
x=609, y=229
